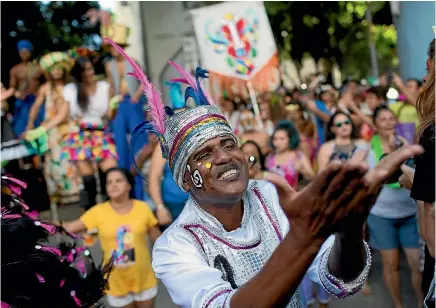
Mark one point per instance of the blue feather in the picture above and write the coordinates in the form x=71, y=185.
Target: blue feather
x=141, y=129
x=169, y=111
x=190, y=92
x=201, y=73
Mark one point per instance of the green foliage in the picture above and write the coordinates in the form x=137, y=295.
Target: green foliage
x=50, y=26
x=335, y=31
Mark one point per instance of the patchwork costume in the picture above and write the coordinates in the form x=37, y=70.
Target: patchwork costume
x=62, y=179
x=200, y=263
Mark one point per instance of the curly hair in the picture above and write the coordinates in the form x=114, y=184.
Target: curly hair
x=291, y=131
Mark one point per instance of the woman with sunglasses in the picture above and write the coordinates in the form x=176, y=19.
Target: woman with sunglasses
x=392, y=221
x=340, y=142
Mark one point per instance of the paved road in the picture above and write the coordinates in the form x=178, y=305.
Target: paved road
x=378, y=299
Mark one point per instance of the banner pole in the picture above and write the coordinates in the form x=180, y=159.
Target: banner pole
x=254, y=102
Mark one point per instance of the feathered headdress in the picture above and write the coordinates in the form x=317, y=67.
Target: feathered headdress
x=179, y=134
x=39, y=271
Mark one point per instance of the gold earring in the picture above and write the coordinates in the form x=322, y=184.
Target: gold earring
x=208, y=165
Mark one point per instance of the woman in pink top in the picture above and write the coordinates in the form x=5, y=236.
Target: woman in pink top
x=286, y=159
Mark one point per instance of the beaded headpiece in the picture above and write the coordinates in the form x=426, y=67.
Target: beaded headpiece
x=180, y=134
x=52, y=59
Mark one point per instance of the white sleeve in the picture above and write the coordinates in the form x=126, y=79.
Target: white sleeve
x=189, y=279
x=319, y=273
x=69, y=93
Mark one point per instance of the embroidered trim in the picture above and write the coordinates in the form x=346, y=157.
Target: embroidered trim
x=265, y=208
x=337, y=287
x=216, y=295
x=225, y=242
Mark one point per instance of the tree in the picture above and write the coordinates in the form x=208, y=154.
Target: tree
x=334, y=31
x=50, y=26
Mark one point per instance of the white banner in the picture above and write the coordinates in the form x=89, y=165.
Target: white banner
x=234, y=38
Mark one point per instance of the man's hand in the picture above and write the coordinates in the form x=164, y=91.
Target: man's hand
x=340, y=197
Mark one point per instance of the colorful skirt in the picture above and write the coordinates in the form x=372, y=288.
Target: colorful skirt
x=89, y=142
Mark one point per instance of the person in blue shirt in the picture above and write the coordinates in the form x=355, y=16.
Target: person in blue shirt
x=167, y=197
x=321, y=109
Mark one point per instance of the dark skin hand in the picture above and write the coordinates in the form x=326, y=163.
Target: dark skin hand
x=337, y=201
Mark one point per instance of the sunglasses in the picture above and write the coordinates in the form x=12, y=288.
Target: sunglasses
x=346, y=122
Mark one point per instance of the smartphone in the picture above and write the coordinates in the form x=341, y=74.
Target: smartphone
x=390, y=77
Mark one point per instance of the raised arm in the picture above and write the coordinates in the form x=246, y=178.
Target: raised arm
x=193, y=283
x=13, y=82
x=61, y=115
x=33, y=113
x=155, y=180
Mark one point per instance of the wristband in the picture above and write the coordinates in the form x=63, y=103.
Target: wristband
x=160, y=206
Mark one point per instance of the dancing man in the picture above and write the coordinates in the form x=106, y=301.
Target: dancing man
x=232, y=244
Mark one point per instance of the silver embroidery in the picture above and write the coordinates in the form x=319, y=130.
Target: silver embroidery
x=245, y=258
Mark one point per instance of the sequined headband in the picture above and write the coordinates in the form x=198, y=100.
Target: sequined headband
x=179, y=134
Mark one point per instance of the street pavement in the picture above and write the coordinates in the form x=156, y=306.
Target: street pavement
x=378, y=299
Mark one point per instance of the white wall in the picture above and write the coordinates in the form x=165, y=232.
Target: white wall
x=129, y=15
x=165, y=24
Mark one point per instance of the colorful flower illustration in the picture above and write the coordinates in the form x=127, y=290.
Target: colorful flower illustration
x=237, y=38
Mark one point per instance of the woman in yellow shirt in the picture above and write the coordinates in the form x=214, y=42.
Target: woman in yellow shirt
x=122, y=225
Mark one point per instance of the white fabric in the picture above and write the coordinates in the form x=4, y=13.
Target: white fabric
x=188, y=271
x=98, y=103
x=132, y=297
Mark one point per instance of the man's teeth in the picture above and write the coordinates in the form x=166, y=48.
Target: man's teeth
x=228, y=174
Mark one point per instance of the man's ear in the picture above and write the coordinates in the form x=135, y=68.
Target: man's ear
x=186, y=181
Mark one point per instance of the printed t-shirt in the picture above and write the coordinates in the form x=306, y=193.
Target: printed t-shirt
x=124, y=236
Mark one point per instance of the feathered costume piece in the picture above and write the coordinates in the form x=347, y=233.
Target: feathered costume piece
x=180, y=134
x=35, y=271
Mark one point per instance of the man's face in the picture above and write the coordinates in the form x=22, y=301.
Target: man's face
x=217, y=172
x=412, y=86
x=25, y=54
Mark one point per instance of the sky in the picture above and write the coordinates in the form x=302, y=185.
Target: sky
x=108, y=4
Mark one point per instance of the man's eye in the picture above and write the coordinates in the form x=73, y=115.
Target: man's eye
x=203, y=156
x=229, y=146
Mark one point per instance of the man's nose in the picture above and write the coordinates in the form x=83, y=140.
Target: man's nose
x=222, y=157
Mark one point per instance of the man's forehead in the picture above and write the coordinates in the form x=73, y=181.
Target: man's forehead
x=212, y=142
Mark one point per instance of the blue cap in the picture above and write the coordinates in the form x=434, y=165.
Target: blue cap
x=24, y=44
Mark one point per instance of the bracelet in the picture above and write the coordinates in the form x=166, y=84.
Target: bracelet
x=160, y=206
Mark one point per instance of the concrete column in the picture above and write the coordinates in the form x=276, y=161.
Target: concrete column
x=128, y=13
x=414, y=27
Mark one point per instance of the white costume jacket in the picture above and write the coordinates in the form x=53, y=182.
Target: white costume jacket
x=202, y=265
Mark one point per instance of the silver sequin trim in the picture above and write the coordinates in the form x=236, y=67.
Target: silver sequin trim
x=338, y=287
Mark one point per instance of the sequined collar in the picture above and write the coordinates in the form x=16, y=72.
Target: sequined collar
x=211, y=221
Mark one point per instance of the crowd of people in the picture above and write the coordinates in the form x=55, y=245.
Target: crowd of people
x=225, y=184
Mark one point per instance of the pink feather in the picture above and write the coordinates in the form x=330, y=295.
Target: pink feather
x=188, y=78
x=157, y=108
x=207, y=94
x=182, y=80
